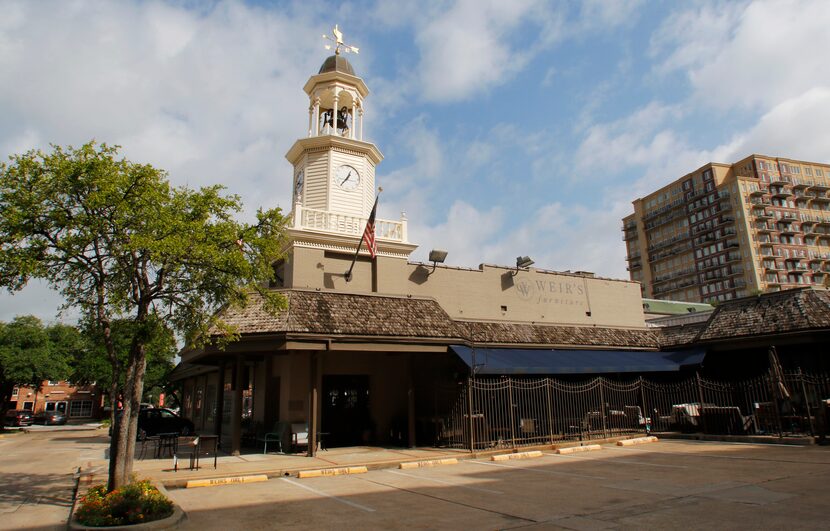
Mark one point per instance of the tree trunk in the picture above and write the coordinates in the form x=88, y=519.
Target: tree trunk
x=122, y=468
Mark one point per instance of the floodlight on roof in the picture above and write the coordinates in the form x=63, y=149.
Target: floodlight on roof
x=437, y=256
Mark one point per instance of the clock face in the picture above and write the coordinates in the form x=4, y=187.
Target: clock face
x=347, y=178
x=298, y=185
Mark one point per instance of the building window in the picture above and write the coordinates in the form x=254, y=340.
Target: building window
x=53, y=383
x=15, y=392
x=28, y=405
x=80, y=408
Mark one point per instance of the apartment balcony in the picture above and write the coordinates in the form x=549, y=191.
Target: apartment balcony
x=759, y=192
x=634, y=256
x=634, y=266
x=733, y=257
x=819, y=186
x=787, y=229
x=819, y=200
x=762, y=214
x=801, y=183
x=780, y=192
x=779, y=179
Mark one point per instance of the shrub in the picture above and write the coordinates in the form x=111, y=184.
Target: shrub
x=135, y=503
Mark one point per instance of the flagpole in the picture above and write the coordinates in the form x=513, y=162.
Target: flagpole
x=362, y=236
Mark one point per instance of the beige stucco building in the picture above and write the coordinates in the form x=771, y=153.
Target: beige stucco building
x=373, y=358
x=731, y=230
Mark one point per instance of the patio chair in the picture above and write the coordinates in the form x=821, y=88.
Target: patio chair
x=299, y=435
x=277, y=435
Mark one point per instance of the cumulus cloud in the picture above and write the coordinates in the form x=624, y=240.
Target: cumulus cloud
x=210, y=95
x=748, y=54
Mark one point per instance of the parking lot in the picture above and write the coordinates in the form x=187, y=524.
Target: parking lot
x=669, y=484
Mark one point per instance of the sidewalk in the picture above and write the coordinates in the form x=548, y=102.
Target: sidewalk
x=278, y=465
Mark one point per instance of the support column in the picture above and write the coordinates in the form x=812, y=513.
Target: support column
x=315, y=369
x=411, y=405
x=354, y=125
x=220, y=400
x=236, y=421
x=334, y=112
x=316, y=116
x=310, y=119
x=361, y=121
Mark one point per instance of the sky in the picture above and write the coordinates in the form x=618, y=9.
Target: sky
x=508, y=128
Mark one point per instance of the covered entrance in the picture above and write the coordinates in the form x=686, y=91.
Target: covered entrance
x=346, y=418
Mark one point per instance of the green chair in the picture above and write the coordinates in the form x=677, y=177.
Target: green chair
x=279, y=434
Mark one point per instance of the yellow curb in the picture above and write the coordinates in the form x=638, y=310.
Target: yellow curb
x=302, y=474
x=638, y=440
x=431, y=462
x=519, y=455
x=574, y=449
x=215, y=482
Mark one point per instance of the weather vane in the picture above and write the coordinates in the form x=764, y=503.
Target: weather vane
x=338, y=42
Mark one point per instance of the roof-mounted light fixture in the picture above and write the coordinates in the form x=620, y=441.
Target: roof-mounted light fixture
x=437, y=256
x=523, y=262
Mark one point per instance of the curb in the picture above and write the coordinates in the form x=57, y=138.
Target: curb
x=638, y=440
x=233, y=480
x=428, y=463
x=575, y=449
x=518, y=455
x=342, y=471
x=752, y=439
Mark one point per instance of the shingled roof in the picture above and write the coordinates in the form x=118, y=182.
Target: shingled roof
x=488, y=332
x=333, y=313
x=795, y=310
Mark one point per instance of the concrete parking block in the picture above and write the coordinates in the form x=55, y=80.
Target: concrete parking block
x=638, y=440
x=575, y=449
x=303, y=474
x=215, y=482
x=518, y=455
x=428, y=463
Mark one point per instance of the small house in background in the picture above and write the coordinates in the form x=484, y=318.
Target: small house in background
x=76, y=401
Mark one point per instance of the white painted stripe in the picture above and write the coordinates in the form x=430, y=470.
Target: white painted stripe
x=336, y=498
x=613, y=461
x=528, y=469
x=436, y=480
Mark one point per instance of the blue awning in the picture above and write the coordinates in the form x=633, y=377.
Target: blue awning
x=527, y=361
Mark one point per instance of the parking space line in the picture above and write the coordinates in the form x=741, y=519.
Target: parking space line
x=555, y=473
x=612, y=461
x=436, y=480
x=332, y=496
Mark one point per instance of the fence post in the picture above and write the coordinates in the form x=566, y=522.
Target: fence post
x=470, y=413
x=645, y=408
x=776, y=402
x=512, y=420
x=700, y=398
x=550, y=410
x=602, y=406
x=806, y=402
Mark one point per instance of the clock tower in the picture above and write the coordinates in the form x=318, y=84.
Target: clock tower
x=334, y=185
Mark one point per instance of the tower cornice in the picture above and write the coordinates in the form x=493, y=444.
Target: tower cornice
x=333, y=142
x=329, y=77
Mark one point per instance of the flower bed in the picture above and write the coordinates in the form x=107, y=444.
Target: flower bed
x=136, y=503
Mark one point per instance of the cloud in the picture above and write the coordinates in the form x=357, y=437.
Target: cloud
x=209, y=94
x=748, y=55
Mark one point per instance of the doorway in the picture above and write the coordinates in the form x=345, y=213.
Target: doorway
x=346, y=420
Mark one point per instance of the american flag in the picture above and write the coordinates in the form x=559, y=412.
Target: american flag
x=369, y=232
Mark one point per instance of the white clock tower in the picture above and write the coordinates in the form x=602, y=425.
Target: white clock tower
x=334, y=183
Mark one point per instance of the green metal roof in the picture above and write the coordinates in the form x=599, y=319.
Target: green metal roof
x=675, y=307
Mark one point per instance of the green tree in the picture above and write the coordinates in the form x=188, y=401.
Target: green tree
x=31, y=353
x=93, y=364
x=119, y=242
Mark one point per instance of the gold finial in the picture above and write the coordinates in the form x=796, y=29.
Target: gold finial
x=337, y=38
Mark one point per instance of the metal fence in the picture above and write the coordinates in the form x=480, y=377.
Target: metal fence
x=513, y=412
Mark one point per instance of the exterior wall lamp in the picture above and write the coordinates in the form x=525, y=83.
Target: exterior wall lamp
x=437, y=256
x=522, y=262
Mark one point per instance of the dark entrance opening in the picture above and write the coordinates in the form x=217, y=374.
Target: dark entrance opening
x=346, y=419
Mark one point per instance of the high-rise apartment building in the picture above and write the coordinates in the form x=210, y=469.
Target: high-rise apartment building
x=726, y=231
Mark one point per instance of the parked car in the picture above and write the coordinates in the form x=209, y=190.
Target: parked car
x=50, y=418
x=155, y=420
x=18, y=417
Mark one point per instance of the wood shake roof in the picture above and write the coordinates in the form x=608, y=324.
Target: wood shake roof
x=795, y=310
x=316, y=312
x=332, y=313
